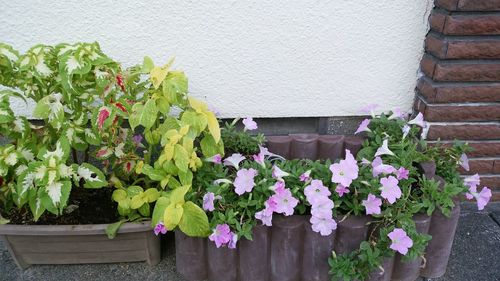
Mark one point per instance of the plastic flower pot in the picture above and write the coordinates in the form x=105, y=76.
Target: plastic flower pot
x=80, y=244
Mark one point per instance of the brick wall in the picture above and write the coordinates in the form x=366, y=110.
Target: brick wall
x=459, y=93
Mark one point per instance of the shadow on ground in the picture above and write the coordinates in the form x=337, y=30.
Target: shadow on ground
x=475, y=256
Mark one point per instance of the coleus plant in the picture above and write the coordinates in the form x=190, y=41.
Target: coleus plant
x=64, y=81
x=383, y=181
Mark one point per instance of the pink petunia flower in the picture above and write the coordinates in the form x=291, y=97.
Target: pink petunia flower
x=418, y=120
x=322, y=207
x=390, y=189
x=102, y=116
x=378, y=167
x=345, y=171
x=234, y=160
x=384, y=149
x=400, y=241
x=216, y=159
x=473, y=180
x=464, y=161
x=278, y=173
x=369, y=109
x=325, y=226
x=316, y=190
x=208, y=201
x=306, y=176
x=232, y=242
x=285, y=202
x=137, y=139
x=341, y=190
x=482, y=198
x=221, y=235
x=244, y=181
x=365, y=161
x=249, y=124
x=372, y=205
x=397, y=113
x=363, y=127
x=406, y=130
x=160, y=228
x=402, y=173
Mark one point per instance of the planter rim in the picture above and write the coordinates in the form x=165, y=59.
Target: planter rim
x=82, y=229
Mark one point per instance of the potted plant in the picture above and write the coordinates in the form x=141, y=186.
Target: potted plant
x=138, y=128
x=369, y=217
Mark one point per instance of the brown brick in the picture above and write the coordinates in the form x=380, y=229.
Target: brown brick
x=496, y=167
x=464, y=132
x=436, y=92
x=445, y=113
x=473, y=24
x=428, y=65
x=480, y=166
x=479, y=148
x=492, y=182
x=446, y=48
x=466, y=72
x=495, y=196
x=469, y=5
x=437, y=21
x=436, y=46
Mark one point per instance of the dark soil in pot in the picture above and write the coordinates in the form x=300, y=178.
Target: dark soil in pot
x=85, y=206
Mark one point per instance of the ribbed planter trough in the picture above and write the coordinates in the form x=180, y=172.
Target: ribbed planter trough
x=80, y=244
x=291, y=251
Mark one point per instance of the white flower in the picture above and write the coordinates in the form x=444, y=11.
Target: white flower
x=234, y=160
x=384, y=149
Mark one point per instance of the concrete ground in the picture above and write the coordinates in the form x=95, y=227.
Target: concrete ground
x=475, y=256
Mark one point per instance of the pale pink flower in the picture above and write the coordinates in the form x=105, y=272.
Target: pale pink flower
x=378, y=167
x=406, y=130
x=315, y=190
x=261, y=156
x=325, y=226
x=160, y=228
x=345, y=171
x=322, y=207
x=306, y=176
x=363, y=127
x=208, y=201
x=464, y=161
x=369, y=109
x=390, y=189
x=265, y=216
x=234, y=160
x=402, y=173
x=400, y=241
x=365, y=161
x=221, y=235
x=397, y=113
x=482, y=198
x=216, y=159
x=384, y=149
x=372, y=205
x=473, y=180
x=278, y=173
x=285, y=202
x=278, y=186
x=232, y=242
x=244, y=181
x=341, y=190
x=249, y=124
x=418, y=120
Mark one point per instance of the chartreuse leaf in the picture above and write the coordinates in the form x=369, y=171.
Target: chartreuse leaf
x=159, y=210
x=213, y=126
x=147, y=65
x=208, y=146
x=194, y=221
x=177, y=195
x=173, y=214
x=181, y=158
x=35, y=203
x=151, y=195
x=119, y=195
x=137, y=201
x=3, y=220
x=113, y=228
x=149, y=113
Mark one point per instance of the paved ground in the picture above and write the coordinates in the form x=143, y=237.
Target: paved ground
x=475, y=256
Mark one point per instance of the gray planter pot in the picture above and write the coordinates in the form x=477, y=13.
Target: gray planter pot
x=80, y=244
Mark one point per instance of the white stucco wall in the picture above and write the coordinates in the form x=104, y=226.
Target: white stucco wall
x=249, y=58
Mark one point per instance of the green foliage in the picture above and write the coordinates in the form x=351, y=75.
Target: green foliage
x=237, y=141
